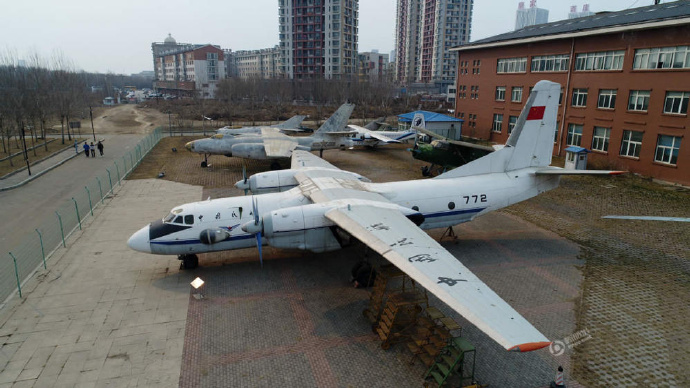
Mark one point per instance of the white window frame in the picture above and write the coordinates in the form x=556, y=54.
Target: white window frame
x=574, y=135
x=497, y=123
x=676, y=103
x=549, y=63
x=667, y=153
x=607, y=99
x=516, y=94
x=500, y=93
x=579, y=97
x=511, y=65
x=639, y=100
x=600, y=61
x=600, y=139
x=629, y=147
x=670, y=57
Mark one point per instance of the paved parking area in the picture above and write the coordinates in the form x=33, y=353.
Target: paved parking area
x=106, y=316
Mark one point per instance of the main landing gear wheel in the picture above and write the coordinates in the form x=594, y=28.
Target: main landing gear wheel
x=204, y=164
x=188, y=261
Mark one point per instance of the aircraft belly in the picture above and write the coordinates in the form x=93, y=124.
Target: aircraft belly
x=194, y=245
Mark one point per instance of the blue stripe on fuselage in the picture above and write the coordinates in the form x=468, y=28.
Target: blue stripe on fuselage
x=197, y=241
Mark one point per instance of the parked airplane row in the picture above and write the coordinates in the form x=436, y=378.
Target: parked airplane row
x=315, y=206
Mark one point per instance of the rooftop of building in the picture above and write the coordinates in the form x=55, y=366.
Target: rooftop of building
x=631, y=18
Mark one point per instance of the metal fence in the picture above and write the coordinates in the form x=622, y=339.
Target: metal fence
x=17, y=265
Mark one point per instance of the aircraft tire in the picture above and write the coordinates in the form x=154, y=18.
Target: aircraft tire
x=190, y=261
x=204, y=164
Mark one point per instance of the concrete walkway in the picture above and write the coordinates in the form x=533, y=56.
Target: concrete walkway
x=102, y=315
x=21, y=177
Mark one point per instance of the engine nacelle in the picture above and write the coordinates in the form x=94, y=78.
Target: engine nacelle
x=300, y=227
x=283, y=180
x=212, y=236
x=249, y=150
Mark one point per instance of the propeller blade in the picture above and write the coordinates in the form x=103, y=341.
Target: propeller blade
x=244, y=178
x=258, y=245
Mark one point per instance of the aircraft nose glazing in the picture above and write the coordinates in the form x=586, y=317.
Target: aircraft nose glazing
x=139, y=241
x=189, y=146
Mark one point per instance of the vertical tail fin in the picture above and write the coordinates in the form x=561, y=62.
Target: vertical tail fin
x=338, y=121
x=291, y=123
x=531, y=142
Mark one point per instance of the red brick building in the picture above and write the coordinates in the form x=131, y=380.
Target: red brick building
x=625, y=80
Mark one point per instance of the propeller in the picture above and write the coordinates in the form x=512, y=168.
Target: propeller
x=255, y=228
x=244, y=183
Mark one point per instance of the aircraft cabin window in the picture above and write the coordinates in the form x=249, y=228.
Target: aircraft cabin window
x=178, y=220
x=451, y=205
x=189, y=219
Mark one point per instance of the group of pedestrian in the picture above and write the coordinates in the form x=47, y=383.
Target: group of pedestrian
x=91, y=149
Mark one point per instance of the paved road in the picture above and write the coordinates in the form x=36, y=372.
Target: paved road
x=33, y=204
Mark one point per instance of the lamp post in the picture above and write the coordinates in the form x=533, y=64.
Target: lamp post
x=92, y=129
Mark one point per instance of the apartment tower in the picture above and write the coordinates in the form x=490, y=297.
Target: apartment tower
x=318, y=38
x=425, y=32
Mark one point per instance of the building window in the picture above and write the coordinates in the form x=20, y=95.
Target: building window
x=603, y=60
x=498, y=122
x=500, y=93
x=662, y=58
x=574, y=135
x=676, y=102
x=607, y=98
x=600, y=140
x=516, y=94
x=550, y=63
x=667, y=149
x=512, y=120
x=639, y=100
x=511, y=65
x=580, y=97
x=631, y=144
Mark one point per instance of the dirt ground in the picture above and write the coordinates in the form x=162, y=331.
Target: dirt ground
x=635, y=301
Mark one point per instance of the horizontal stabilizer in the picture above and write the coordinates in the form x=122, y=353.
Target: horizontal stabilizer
x=561, y=171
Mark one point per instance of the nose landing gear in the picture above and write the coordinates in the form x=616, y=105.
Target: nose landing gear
x=188, y=261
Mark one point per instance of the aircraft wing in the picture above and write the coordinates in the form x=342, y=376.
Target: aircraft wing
x=302, y=159
x=276, y=144
x=373, y=134
x=455, y=142
x=391, y=234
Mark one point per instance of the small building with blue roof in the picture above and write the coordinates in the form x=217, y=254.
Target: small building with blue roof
x=447, y=126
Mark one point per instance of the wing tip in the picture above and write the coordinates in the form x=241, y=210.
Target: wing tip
x=529, y=346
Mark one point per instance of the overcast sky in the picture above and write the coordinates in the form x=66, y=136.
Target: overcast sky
x=117, y=38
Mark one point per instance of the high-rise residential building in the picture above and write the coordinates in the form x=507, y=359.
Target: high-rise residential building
x=373, y=66
x=263, y=63
x=573, y=14
x=425, y=32
x=318, y=38
x=530, y=16
x=185, y=69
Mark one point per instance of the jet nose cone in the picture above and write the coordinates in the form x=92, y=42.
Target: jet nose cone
x=140, y=240
x=189, y=146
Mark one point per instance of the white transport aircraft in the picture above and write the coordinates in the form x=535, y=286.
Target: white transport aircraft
x=388, y=217
x=271, y=144
x=371, y=138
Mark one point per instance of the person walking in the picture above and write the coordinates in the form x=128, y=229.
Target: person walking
x=86, y=149
x=93, y=150
x=100, y=147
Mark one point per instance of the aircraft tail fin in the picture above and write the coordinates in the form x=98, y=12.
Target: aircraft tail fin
x=375, y=124
x=338, y=121
x=291, y=123
x=531, y=142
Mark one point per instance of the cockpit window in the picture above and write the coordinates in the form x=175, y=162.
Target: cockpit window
x=189, y=219
x=170, y=217
x=178, y=220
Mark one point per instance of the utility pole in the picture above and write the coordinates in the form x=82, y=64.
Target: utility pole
x=92, y=130
x=170, y=123
x=26, y=154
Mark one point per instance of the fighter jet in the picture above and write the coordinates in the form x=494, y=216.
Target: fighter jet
x=273, y=145
x=290, y=125
x=325, y=204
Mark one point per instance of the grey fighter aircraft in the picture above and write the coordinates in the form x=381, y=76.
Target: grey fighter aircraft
x=290, y=125
x=271, y=144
